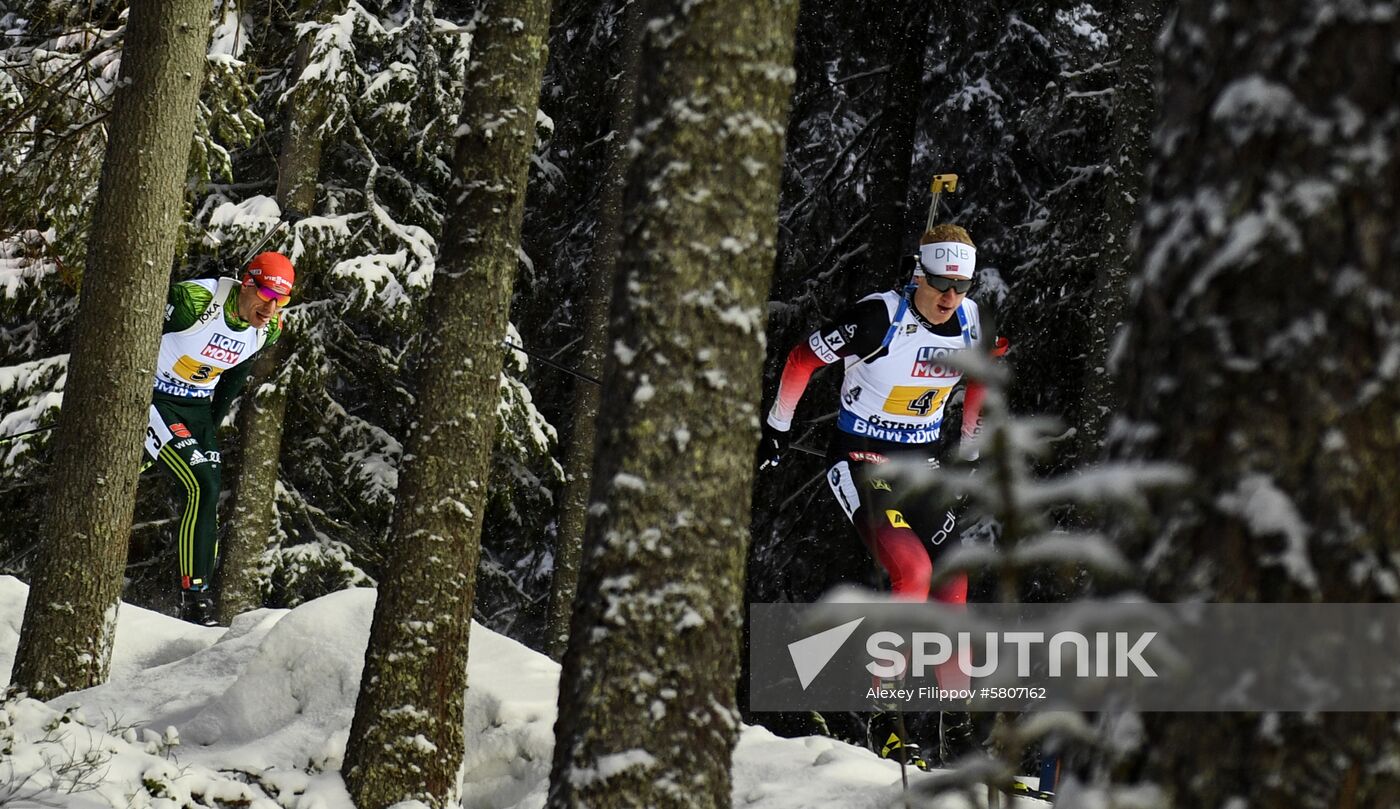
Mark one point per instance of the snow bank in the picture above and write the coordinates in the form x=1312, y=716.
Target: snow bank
x=259, y=714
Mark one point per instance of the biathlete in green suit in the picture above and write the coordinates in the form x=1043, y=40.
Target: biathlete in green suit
x=212, y=330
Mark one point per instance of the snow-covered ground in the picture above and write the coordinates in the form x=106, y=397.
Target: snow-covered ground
x=258, y=714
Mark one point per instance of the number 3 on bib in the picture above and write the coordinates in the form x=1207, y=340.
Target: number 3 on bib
x=908, y=400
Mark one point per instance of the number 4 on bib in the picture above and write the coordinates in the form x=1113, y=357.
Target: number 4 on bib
x=911, y=400
x=925, y=403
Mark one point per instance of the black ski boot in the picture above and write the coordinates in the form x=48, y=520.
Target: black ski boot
x=1021, y=790
x=956, y=736
x=197, y=607
x=889, y=739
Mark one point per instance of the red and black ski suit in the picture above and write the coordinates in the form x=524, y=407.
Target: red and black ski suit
x=892, y=401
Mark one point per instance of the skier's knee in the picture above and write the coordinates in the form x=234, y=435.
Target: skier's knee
x=208, y=478
x=910, y=578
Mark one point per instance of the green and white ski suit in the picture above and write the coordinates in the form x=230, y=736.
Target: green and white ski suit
x=205, y=353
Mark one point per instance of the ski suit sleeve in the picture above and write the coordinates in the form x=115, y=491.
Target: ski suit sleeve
x=977, y=391
x=232, y=381
x=856, y=332
x=184, y=303
x=231, y=384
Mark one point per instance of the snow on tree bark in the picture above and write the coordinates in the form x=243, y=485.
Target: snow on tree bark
x=406, y=739
x=300, y=161
x=1263, y=355
x=578, y=460
x=647, y=714
x=66, y=640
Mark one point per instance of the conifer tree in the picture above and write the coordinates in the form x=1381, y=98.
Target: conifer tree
x=582, y=442
x=647, y=713
x=412, y=688
x=70, y=618
x=263, y=413
x=1260, y=351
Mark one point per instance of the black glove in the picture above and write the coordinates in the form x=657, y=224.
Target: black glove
x=771, y=445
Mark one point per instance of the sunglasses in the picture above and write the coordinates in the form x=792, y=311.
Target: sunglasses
x=272, y=295
x=943, y=284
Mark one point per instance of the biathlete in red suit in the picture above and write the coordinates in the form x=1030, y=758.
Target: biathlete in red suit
x=895, y=348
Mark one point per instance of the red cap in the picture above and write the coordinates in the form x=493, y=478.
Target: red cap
x=271, y=271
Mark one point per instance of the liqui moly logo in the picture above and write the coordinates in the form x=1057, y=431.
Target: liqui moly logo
x=930, y=364
x=223, y=349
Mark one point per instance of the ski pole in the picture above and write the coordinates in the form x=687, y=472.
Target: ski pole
x=586, y=378
x=551, y=363
x=903, y=758
x=4, y=439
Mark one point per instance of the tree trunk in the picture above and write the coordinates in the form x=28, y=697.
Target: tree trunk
x=261, y=415
x=647, y=714
x=893, y=230
x=1259, y=349
x=844, y=222
x=578, y=458
x=1138, y=24
x=415, y=666
x=66, y=641
x=300, y=161
x=848, y=219
x=255, y=494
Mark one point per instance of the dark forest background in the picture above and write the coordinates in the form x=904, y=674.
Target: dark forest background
x=1184, y=215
